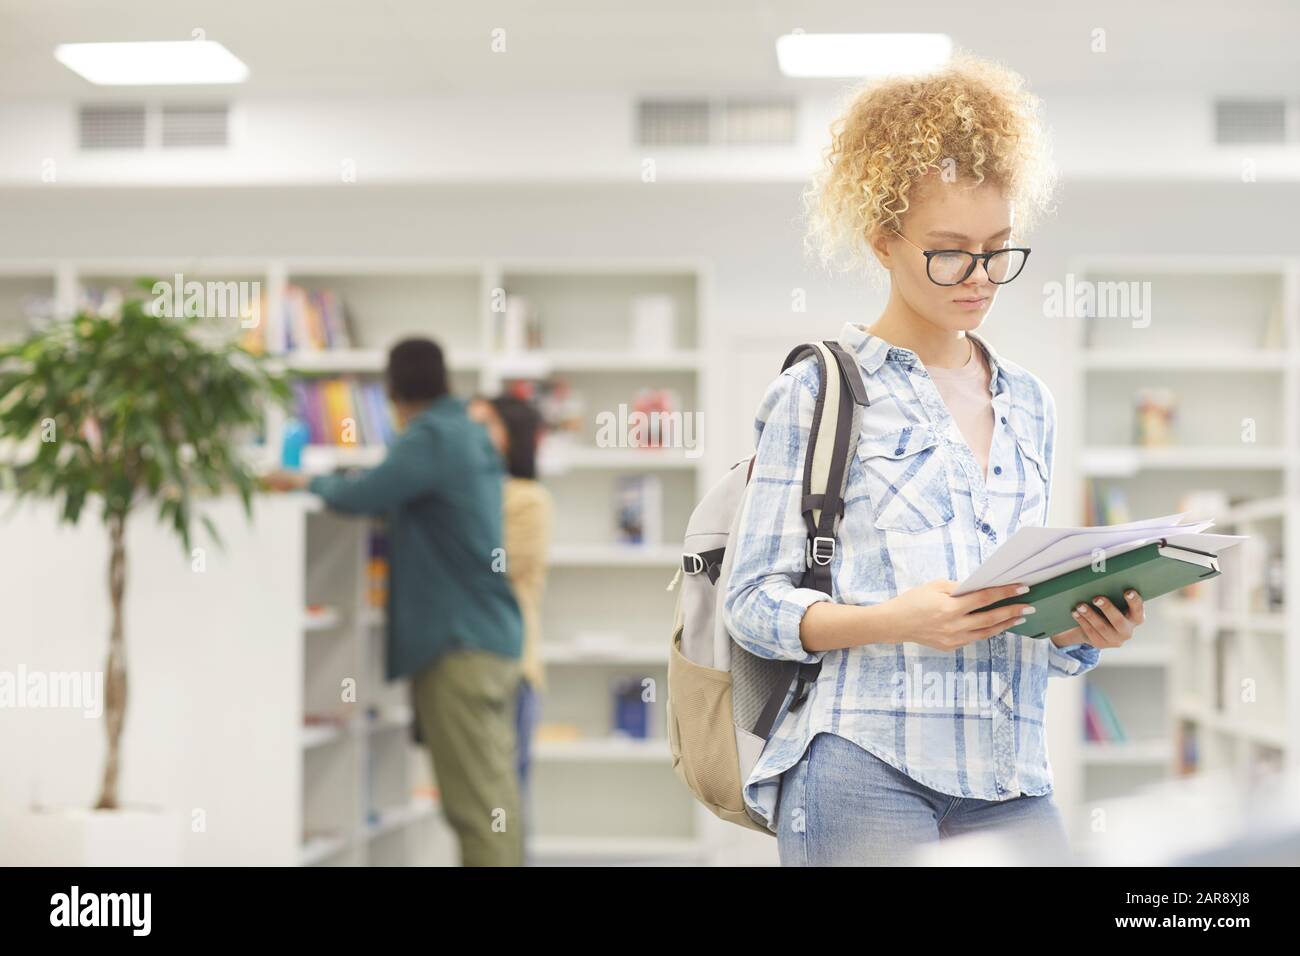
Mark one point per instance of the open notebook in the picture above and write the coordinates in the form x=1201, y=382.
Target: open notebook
x=1068, y=566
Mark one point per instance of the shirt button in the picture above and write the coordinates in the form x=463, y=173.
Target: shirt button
x=997, y=469
x=985, y=527
x=1004, y=419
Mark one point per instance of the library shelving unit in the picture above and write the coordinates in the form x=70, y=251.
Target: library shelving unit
x=1211, y=684
x=597, y=797
x=366, y=799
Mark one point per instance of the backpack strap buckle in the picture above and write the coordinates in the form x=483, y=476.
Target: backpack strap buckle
x=708, y=562
x=821, y=549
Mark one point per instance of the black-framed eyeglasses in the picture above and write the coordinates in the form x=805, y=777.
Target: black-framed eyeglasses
x=954, y=266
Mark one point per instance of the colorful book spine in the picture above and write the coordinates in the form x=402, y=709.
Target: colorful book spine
x=1091, y=725
x=341, y=411
x=639, y=504
x=1101, y=724
x=631, y=712
x=1109, y=718
x=313, y=321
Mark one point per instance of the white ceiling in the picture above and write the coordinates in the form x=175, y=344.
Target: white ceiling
x=334, y=47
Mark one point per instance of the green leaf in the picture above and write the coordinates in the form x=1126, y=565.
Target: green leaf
x=211, y=529
x=123, y=396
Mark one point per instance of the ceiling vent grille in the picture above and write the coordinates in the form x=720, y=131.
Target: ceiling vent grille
x=115, y=126
x=715, y=123
x=203, y=125
x=1250, y=121
x=150, y=126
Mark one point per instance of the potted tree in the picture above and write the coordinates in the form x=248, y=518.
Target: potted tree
x=126, y=411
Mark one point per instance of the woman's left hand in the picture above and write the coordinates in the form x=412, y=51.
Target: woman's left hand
x=1101, y=624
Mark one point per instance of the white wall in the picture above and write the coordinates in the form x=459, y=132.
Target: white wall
x=576, y=138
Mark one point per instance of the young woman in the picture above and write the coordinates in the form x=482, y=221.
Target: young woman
x=927, y=717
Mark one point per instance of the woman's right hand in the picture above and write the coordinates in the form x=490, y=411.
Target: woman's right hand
x=929, y=614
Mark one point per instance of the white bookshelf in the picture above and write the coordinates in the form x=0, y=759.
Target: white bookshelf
x=600, y=798
x=365, y=789
x=367, y=362
x=1224, y=335
x=225, y=666
x=607, y=750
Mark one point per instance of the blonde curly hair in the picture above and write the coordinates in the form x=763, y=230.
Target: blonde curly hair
x=971, y=121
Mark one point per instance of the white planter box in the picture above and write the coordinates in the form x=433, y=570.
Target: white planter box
x=128, y=837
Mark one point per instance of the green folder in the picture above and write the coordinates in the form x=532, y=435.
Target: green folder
x=1151, y=570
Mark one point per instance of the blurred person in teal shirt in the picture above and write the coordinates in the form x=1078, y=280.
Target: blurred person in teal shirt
x=453, y=625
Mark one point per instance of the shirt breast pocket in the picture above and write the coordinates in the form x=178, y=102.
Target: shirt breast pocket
x=1033, y=476
x=906, y=479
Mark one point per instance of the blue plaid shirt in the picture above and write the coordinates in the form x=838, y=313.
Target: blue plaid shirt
x=968, y=722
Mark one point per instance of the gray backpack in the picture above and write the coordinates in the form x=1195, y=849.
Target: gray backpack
x=724, y=701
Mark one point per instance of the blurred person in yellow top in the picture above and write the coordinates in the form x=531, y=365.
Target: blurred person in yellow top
x=515, y=428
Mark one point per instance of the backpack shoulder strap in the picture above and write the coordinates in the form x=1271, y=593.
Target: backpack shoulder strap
x=832, y=441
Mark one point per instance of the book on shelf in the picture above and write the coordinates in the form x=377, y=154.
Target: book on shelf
x=1104, y=504
x=1188, y=750
x=377, y=570
x=631, y=711
x=639, y=503
x=518, y=327
x=1101, y=725
x=311, y=320
x=343, y=411
x=325, y=719
x=555, y=732
x=1155, y=414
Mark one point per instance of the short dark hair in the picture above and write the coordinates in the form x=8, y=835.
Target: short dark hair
x=416, y=371
x=523, y=424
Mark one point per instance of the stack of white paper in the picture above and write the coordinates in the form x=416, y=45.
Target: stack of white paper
x=1039, y=554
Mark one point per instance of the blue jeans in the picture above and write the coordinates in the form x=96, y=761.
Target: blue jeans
x=528, y=706
x=841, y=805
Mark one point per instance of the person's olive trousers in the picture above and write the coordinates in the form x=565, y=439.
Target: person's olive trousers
x=465, y=705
